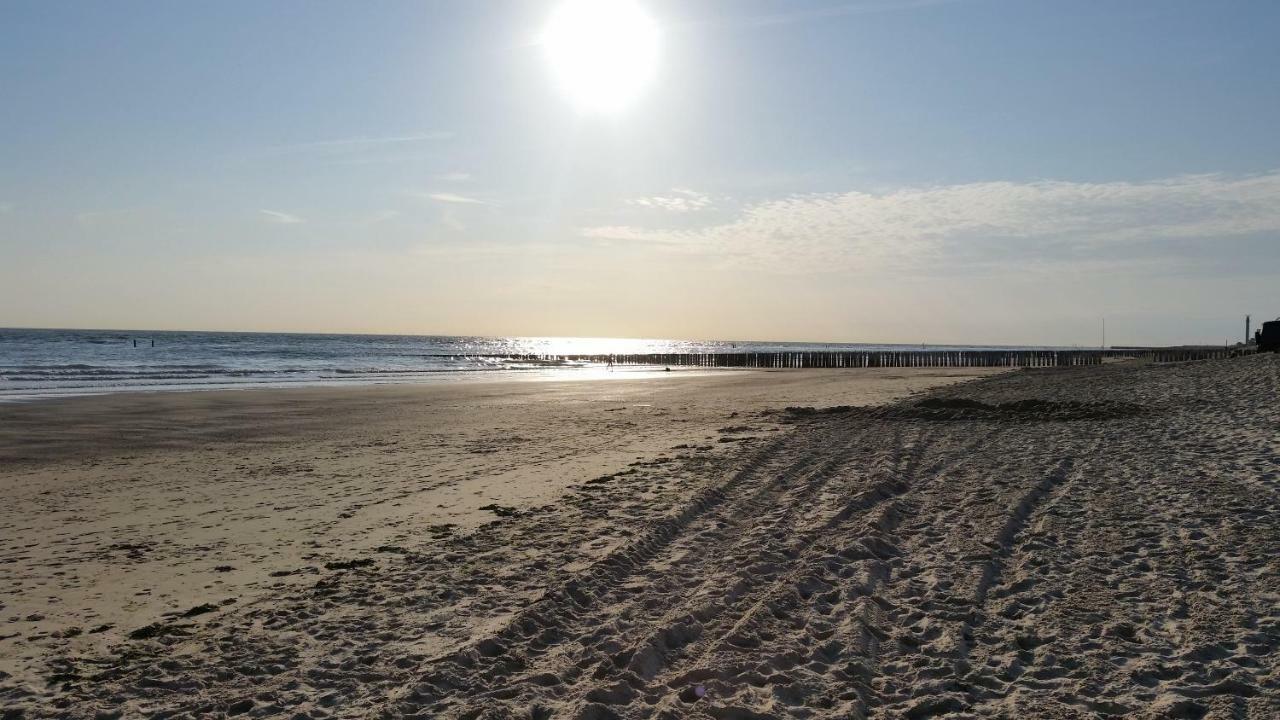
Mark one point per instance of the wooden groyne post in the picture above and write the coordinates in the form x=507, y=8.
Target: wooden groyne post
x=883, y=358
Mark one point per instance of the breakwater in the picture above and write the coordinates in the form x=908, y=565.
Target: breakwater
x=886, y=358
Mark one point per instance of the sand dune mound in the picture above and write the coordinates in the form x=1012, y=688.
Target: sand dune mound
x=1028, y=410
x=967, y=409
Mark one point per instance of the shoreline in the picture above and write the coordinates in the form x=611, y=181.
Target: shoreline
x=440, y=377
x=51, y=363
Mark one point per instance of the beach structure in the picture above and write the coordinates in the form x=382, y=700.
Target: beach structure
x=1269, y=337
x=888, y=358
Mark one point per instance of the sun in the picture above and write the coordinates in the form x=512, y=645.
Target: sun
x=603, y=53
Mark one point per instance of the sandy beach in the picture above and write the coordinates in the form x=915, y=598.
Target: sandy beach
x=1069, y=542
x=131, y=509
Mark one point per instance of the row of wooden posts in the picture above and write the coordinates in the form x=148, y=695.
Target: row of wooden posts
x=886, y=358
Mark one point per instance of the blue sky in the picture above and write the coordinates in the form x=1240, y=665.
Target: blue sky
x=966, y=171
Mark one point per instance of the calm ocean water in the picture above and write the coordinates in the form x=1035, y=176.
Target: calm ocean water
x=42, y=363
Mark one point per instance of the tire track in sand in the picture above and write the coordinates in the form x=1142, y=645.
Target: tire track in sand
x=549, y=625
x=807, y=646
x=786, y=552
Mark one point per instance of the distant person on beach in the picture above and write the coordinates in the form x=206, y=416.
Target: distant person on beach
x=610, y=361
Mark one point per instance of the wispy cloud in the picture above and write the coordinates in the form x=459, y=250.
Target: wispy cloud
x=943, y=228
x=447, y=197
x=6, y=208
x=630, y=233
x=282, y=218
x=679, y=200
x=454, y=177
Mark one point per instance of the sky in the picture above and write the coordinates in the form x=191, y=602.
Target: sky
x=965, y=171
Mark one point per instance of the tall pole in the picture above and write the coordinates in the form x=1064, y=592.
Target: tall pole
x=1246, y=329
x=1104, y=333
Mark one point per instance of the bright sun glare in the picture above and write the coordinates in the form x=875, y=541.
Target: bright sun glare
x=602, y=52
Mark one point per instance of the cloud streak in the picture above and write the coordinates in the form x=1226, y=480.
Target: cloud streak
x=680, y=200
x=988, y=223
x=454, y=198
x=280, y=218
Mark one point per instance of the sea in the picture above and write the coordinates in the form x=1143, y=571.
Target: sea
x=37, y=364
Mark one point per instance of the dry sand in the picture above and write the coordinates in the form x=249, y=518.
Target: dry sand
x=125, y=510
x=1076, y=542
